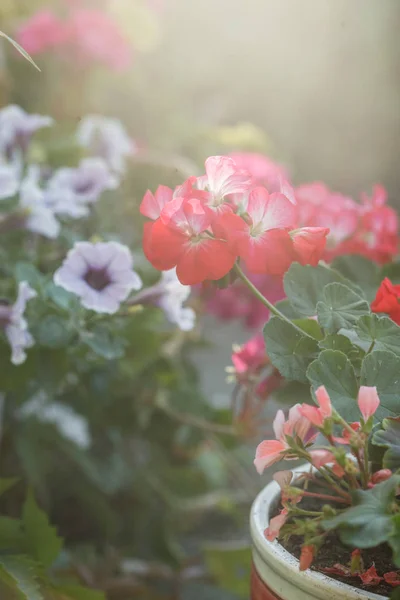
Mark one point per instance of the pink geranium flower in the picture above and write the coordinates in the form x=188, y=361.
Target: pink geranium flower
x=270, y=451
x=223, y=177
x=317, y=415
x=251, y=356
x=368, y=401
x=263, y=241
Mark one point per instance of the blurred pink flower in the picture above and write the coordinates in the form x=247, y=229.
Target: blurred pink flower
x=251, y=356
x=97, y=37
x=42, y=32
x=237, y=302
x=90, y=34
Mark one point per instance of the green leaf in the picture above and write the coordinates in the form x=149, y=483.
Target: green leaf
x=310, y=327
x=304, y=286
x=104, y=343
x=395, y=595
x=289, y=351
x=78, y=592
x=53, y=332
x=42, y=540
x=340, y=307
x=287, y=309
x=381, y=330
x=360, y=271
x=230, y=568
x=368, y=522
x=389, y=437
x=20, y=49
x=59, y=296
x=394, y=539
x=11, y=535
x=334, y=370
x=7, y=483
x=25, y=271
x=381, y=369
x=342, y=343
x=21, y=574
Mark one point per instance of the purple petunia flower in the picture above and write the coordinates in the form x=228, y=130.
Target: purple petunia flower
x=100, y=274
x=106, y=138
x=15, y=326
x=17, y=128
x=70, y=191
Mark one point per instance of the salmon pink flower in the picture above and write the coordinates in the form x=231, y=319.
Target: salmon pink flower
x=316, y=415
x=309, y=244
x=387, y=300
x=263, y=240
x=275, y=525
x=381, y=475
x=368, y=401
x=306, y=557
x=346, y=435
x=321, y=457
x=270, y=451
x=370, y=577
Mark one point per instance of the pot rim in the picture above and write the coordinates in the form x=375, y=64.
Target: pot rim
x=285, y=564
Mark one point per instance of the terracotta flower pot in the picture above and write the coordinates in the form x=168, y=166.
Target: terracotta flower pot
x=276, y=574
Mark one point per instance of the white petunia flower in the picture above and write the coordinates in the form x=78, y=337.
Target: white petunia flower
x=9, y=180
x=15, y=326
x=39, y=217
x=106, y=138
x=172, y=296
x=17, y=128
x=100, y=274
x=71, y=191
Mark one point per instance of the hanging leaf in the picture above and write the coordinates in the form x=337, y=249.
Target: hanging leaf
x=42, y=540
x=21, y=575
x=19, y=49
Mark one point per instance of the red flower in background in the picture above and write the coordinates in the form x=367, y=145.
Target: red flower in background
x=387, y=300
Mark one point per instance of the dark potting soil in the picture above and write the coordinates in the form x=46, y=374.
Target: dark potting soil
x=333, y=551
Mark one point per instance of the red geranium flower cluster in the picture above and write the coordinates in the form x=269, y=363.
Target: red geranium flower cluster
x=203, y=226
x=369, y=228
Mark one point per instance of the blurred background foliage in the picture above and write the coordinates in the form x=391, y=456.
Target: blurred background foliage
x=157, y=507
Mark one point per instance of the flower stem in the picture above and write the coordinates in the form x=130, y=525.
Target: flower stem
x=264, y=300
x=325, y=497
